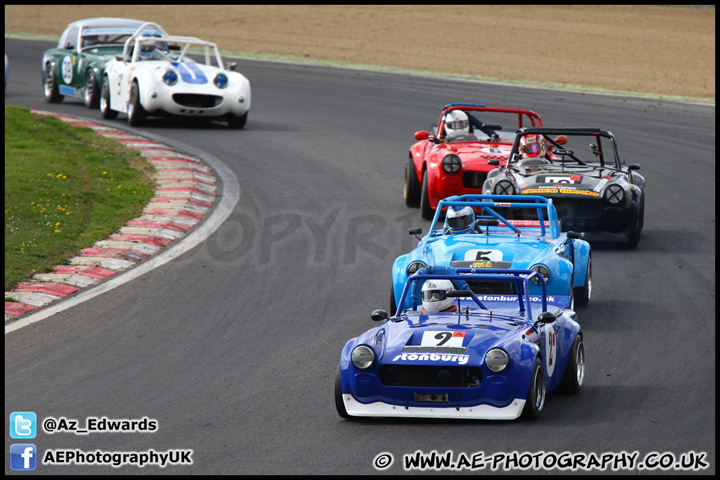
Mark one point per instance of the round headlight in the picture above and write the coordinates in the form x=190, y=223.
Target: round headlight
x=451, y=163
x=504, y=187
x=614, y=194
x=220, y=80
x=362, y=357
x=542, y=270
x=497, y=360
x=414, y=267
x=170, y=77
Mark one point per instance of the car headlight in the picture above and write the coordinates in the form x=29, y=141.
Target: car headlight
x=170, y=77
x=542, y=270
x=497, y=360
x=451, y=163
x=220, y=80
x=362, y=357
x=614, y=194
x=504, y=187
x=414, y=267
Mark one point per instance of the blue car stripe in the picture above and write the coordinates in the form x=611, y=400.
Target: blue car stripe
x=196, y=77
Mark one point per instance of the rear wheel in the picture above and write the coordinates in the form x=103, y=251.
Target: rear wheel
x=412, y=185
x=426, y=211
x=536, y=394
x=136, y=112
x=574, y=375
x=92, y=92
x=52, y=93
x=582, y=294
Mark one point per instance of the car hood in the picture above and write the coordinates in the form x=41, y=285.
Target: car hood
x=517, y=252
x=402, y=342
x=476, y=155
x=554, y=179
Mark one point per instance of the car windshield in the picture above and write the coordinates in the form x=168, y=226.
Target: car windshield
x=578, y=151
x=481, y=123
x=108, y=36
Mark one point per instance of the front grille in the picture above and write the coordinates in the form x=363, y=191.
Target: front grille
x=192, y=100
x=473, y=179
x=429, y=376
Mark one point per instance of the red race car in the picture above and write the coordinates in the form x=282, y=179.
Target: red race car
x=453, y=160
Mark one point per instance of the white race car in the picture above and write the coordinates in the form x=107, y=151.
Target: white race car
x=169, y=75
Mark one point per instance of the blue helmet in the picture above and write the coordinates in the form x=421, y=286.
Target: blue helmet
x=460, y=219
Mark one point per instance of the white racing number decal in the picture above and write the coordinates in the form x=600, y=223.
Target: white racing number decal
x=495, y=150
x=550, y=349
x=563, y=179
x=483, y=255
x=444, y=338
x=67, y=69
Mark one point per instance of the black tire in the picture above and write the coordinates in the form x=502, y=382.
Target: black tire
x=105, y=110
x=426, y=211
x=583, y=294
x=50, y=87
x=634, y=235
x=412, y=185
x=339, y=405
x=574, y=375
x=393, y=306
x=92, y=92
x=136, y=112
x=237, y=122
x=536, y=393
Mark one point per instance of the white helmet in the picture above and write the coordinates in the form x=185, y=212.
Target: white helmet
x=434, y=295
x=460, y=219
x=457, y=123
x=532, y=146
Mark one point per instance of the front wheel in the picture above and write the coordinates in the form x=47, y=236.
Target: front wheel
x=426, y=211
x=412, y=185
x=136, y=112
x=105, y=110
x=92, y=92
x=582, y=294
x=50, y=88
x=393, y=306
x=339, y=404
x=574, y=375
x=237, y=122
x=536, y=393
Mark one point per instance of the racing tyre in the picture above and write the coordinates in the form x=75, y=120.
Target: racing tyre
x=393, y=307
x=52, y=93
x=412, y=185
x=339, y=405
x=426, y=211
x=574, y=375
x=237, y=122
x=582, y=294
x=136, y=112
x=536, y=394
x=92, y=92
x=105, y=110
x=633, y=235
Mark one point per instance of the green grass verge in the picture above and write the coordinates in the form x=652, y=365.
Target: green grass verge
x=66, y=188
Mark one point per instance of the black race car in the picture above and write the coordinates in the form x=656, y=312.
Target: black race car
x=581, y=171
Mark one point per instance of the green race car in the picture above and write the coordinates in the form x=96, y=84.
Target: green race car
x=76, y=66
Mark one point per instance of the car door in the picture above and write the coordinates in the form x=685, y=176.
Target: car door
x=67, y=67
x=549, y=347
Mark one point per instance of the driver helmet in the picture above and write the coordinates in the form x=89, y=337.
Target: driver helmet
x=434, y=295
x=147, y=50
x=532, y=146
x=457, y=123
x=459, y=219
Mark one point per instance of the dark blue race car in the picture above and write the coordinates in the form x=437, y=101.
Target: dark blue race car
x=483, y=357
x=492, y=241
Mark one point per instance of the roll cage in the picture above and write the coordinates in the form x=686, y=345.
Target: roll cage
x=210, y=49
x=531, y=117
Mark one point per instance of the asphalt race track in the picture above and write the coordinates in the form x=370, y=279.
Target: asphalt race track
x=233, y=347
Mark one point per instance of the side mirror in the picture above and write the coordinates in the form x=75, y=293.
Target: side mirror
x=633, y=166
x=415, y=231
x=574, y=235
x=494, y=161
x=546, y=317
x=422, y=135
x=380, y=315
x=230, y=66
x=561, y=139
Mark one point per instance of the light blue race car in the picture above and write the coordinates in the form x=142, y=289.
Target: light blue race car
x=461, y=355
x=475, y=235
